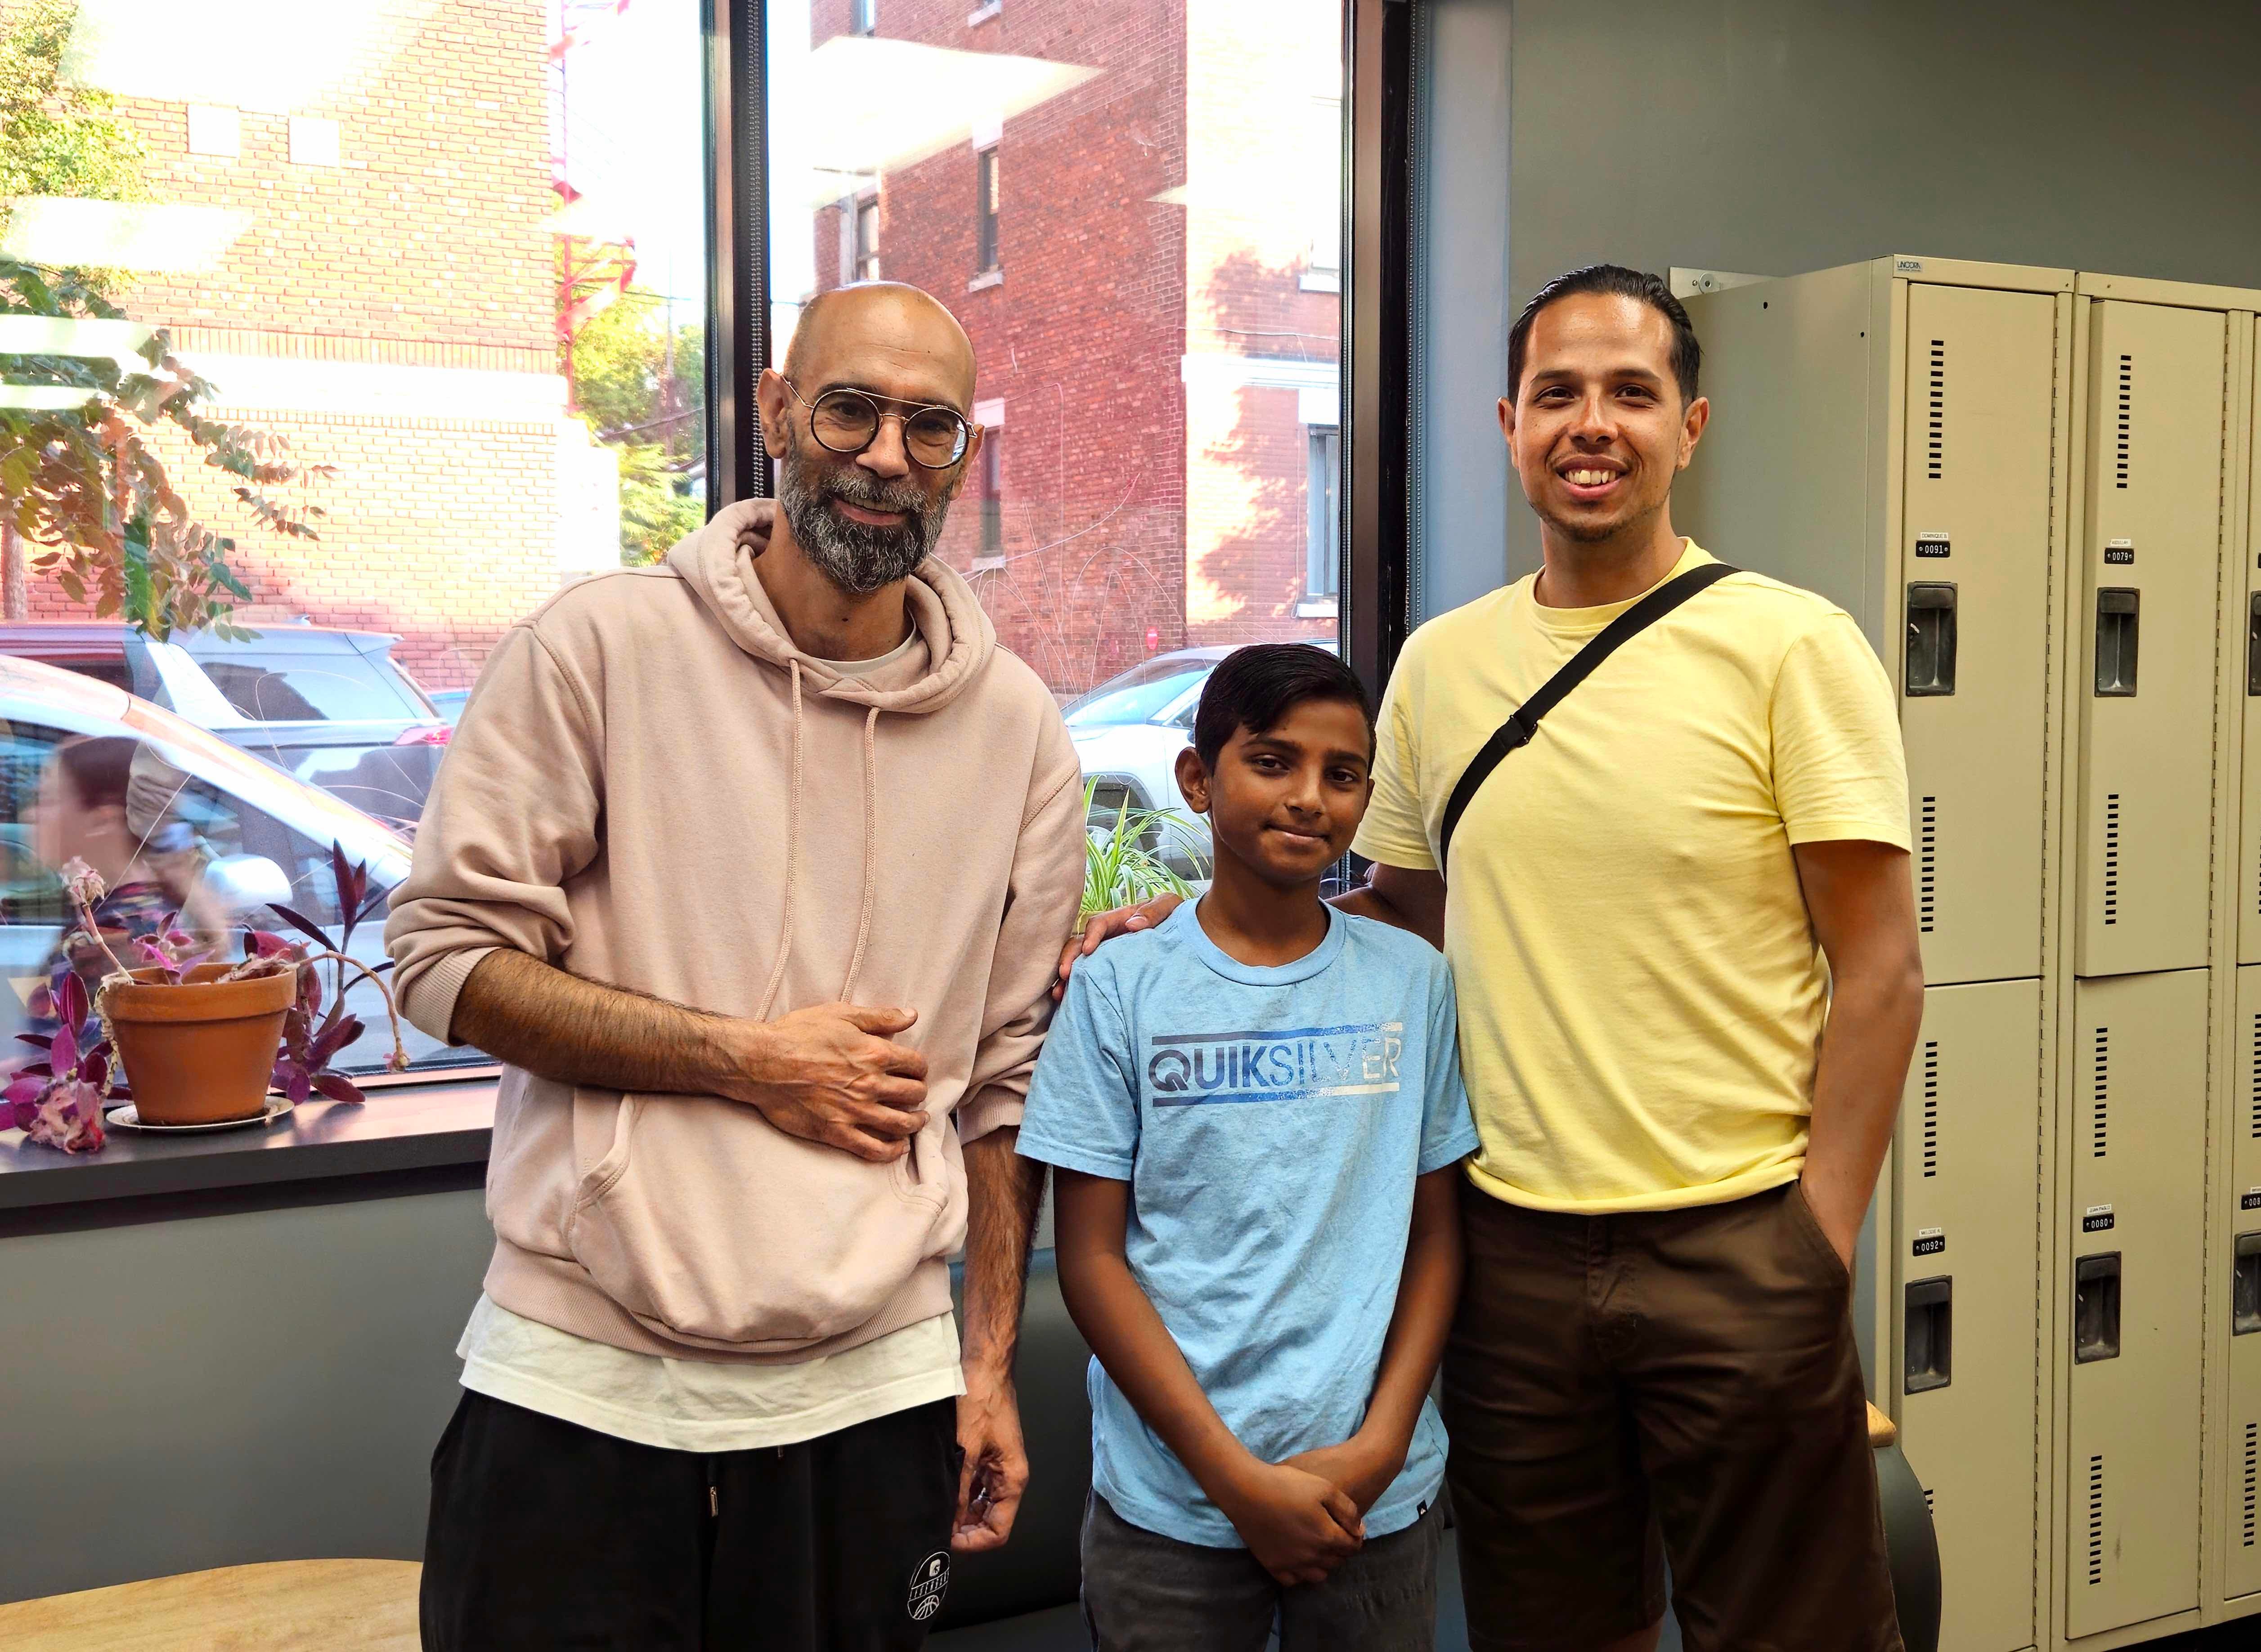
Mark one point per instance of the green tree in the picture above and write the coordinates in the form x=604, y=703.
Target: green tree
x=643, y=392
x=56, y=137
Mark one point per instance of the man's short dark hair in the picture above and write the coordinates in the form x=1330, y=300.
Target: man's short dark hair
x=1254, y=688
x=1618, y=280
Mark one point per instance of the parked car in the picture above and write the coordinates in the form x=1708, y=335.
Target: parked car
x=252, y=834
x=1128, y=732
x=331, y=707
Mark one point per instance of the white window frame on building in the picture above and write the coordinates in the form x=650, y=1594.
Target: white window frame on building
x=988, y=213
x=862, y=17
x=989, y=479
x=1322, y=259
x=863, y=239
x=1323, y=529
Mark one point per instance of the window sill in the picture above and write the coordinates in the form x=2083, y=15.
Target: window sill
x=985, y=565
x=1321, y=281
x=986, y=278
x=1318, y=608
x=982, y=14
x=436, y=1125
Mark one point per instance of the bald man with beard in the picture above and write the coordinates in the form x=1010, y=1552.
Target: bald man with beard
x=751, y=867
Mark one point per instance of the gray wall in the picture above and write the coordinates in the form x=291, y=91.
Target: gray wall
x=213, y=1390
x=1776, y=136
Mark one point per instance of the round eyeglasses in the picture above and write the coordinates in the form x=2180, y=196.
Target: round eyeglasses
x=847, y=422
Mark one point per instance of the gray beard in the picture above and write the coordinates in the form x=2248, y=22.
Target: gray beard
x=859, y=557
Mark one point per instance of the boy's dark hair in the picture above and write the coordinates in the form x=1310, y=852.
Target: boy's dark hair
x=1616, y=280
x=1254, y=688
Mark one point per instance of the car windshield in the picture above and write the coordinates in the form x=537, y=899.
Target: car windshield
x=1140, y=694
x=333, y=686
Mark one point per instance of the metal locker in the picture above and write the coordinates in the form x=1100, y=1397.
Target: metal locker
x=2246, y=629
x=2150, y=587
x=1966, y=1274
x=2240, y=1487
x=1981, y=366
x=2135, y=1285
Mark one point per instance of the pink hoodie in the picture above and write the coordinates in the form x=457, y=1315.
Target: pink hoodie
x=652, y=787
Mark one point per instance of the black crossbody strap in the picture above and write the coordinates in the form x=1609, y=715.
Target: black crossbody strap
x=1516, y=733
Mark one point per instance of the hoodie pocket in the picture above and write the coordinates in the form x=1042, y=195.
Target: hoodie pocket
x=712, y=1227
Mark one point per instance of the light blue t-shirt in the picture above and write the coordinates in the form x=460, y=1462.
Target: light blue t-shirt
x=1271, y=1123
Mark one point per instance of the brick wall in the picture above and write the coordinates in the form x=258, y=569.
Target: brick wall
x=441, y=530
x=1081, y=338
x=428, y=248
x=1130, y=506
x=432, y=227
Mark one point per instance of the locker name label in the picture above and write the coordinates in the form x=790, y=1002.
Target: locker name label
x=2120, y=553
x=1931, y=546
x=1929, y=1241
x=2096, y=1218
x=2251, y=1201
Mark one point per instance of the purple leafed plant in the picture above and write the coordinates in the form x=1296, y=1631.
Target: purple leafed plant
x=302, y=1067
x=57, y=1101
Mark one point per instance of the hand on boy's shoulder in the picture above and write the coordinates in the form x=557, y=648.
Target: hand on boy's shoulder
x=1104, y=926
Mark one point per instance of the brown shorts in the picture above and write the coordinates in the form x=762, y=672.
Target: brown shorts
x=1621, y=1387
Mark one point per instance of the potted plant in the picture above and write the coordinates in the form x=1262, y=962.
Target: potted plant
x=1127, y=862
x=200, y=1041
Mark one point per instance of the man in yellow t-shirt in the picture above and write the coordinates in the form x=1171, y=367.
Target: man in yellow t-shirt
x=1683, y=939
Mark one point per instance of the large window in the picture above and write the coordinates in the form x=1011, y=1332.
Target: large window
x=1158, y=312
x=451, y=255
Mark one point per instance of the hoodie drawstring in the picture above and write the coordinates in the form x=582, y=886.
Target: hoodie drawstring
x=792, y=853
x=871, y=851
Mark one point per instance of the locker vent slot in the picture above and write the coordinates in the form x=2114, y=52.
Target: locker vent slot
x=2103, y=1086
x=1936, y=433
x=1930, y=1109
x=2112, y=858
x=2253, y=1096
x=2096, y=1519
x=1934, y=1506
x=2127, y=394
x=2252, y=1476
x=1926, y=864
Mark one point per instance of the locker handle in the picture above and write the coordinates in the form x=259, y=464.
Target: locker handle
x=2096, y=1308
x=2245, y=1288
x=2253, y=643
x=1931, y=612
x=1929, y=1348
x=2118, y=619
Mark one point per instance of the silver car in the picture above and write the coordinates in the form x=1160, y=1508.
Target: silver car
x=245, y=833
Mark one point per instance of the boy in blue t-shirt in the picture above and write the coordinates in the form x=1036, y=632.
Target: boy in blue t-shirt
x=1256, y=1113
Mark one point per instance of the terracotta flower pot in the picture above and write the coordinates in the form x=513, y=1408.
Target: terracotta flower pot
x=203, y=1051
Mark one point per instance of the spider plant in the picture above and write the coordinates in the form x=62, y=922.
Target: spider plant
x=1125, y=861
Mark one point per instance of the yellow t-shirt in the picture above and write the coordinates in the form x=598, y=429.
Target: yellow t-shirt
x=1641, y=998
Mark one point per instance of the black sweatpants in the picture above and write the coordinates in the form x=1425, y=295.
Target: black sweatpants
x=545, y=1536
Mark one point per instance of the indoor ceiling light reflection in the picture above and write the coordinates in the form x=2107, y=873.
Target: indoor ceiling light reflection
x=857, y=106
x=61, y=233
x=271, y=56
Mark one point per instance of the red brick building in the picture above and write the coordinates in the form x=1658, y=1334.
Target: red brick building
x=1147, y=263
x=386, y=302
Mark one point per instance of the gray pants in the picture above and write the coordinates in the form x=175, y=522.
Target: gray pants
x=1144, y=1592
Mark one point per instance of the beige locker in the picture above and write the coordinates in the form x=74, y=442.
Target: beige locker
x=2240, y=1477
x=1967, y=1277
x=2150, y=593
x=2247, y=627
x=1888, y=435
x=2133, y=1290
x=1975, y=584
